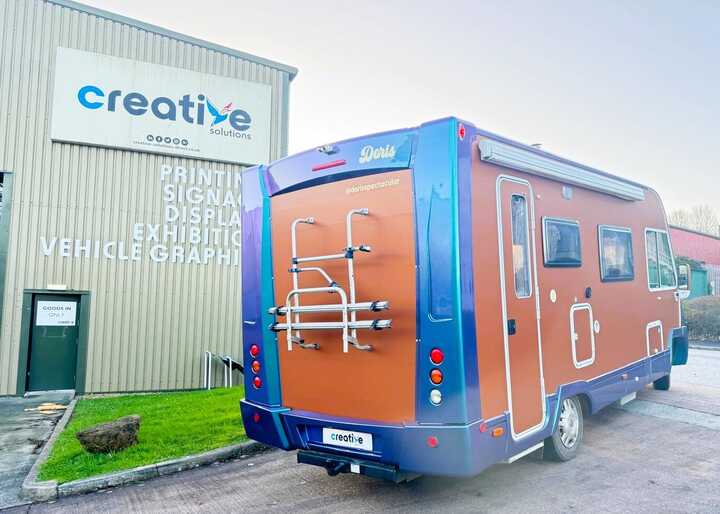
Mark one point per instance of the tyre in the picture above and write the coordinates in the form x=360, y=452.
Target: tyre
x=662, y=384
x=564, y=443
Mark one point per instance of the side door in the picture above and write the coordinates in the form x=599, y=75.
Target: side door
x=53, y=342
x=520, y=305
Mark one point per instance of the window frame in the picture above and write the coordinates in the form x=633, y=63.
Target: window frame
x=672, y=261
x=529, y=248
x=566, y=221
x=615, y=228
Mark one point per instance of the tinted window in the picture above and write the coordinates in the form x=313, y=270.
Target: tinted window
x=561, y=243
x=616, y=257
x=661, y=272
x=520, y=246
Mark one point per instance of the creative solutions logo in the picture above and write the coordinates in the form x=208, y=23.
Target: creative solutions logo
x=198, y=110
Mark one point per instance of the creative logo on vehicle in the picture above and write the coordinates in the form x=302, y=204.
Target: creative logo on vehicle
x=185, y=109
x=373, y=153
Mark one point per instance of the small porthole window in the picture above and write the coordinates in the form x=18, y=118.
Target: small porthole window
x=561, y=243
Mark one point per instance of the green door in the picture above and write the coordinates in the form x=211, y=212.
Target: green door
x=53, y=342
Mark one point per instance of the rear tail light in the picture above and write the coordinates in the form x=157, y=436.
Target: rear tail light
x=435, y=397
x=436, y=376
x=433, y=441
x=256, y=417
x=255, y=367
x=437, y=356
x=257, y=383
x=254, y=350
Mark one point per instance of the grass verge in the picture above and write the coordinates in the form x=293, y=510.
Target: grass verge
x=173, y=425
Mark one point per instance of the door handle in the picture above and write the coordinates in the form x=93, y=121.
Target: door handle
x=511, y=327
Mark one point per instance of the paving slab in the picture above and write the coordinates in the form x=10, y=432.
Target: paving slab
x=22, y=435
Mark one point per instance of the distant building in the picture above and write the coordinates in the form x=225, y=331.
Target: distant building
x=701, y=247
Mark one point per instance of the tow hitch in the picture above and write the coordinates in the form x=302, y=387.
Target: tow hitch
x=336, y=464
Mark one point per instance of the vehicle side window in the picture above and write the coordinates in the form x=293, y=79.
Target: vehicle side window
x=561, y=243
x=520, y=246
x=616, y=254
x=661, y=270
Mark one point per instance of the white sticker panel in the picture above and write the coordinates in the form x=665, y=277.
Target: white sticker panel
x=55, y=314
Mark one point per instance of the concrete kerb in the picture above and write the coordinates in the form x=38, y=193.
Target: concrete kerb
x=35, y=490
x=39, y=491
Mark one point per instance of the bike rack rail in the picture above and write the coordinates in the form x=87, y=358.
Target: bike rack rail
x=348, y=306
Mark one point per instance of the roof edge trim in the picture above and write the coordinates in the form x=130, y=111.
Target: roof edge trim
x=148, y=27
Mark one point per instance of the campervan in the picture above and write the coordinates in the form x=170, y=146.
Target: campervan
x=437, y=299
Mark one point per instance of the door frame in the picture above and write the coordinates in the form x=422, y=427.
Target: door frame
x=503, y=301
x=25, y=331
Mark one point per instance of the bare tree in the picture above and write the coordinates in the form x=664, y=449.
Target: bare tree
x=702, y=218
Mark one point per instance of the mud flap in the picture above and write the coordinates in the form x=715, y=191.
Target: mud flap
x=679, y=346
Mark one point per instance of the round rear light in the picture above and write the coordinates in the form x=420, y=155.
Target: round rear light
x=436, y=376
x=256, y=417
x=257, y=382
x=255, y=367
x=437, y=356
x=254, y=350
x=435, y=397
x=433, y=441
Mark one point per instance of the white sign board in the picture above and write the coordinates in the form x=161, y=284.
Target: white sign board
x=120, y=103
x=55, y=314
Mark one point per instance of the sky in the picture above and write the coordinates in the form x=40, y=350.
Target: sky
x=630, y=87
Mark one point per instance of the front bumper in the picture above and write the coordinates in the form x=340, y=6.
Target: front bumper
x=462, y=450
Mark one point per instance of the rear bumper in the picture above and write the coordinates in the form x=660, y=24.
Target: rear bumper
x=462, y=450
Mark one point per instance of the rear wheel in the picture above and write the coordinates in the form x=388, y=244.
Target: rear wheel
x=662, y=384
x=564, y=443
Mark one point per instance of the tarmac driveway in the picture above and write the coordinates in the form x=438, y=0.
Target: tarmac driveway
x=22, y=434
x=660, y=453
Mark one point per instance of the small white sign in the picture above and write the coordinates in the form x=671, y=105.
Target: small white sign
x=114, y=102
x=348, y=439
x=55, y=314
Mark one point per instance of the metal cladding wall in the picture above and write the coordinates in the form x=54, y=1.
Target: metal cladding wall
x=150, y=322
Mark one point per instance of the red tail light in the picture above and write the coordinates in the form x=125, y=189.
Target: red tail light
x=254, y=350
x=256, y=417
x=257, y=382
x=437, y=356
x=433, y=441
x=255, y=367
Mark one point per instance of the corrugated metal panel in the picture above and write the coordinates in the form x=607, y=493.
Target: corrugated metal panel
x=150, y=322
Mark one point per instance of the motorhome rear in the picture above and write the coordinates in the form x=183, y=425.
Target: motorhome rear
x=437, y=299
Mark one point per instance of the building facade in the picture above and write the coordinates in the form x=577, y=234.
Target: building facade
x=700, y=247
x=121, y=148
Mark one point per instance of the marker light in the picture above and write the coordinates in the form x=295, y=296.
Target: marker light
x=436, y=376
x=498, y=431
x=256, y=417
x=433, y=441
x=257, y=382
x=327, y=165
x=254, y=350
x=255, y=367
x=437, y=356
x=435, y=397
x=483, y=427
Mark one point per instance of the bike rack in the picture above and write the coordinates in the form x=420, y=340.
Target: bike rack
x=348, y=305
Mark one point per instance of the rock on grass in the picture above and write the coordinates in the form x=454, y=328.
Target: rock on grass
x=110, y=437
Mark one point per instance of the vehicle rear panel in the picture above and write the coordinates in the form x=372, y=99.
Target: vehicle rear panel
x=378, y=384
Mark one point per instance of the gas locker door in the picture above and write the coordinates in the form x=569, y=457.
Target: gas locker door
x=582, y=334
x=520, y=305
